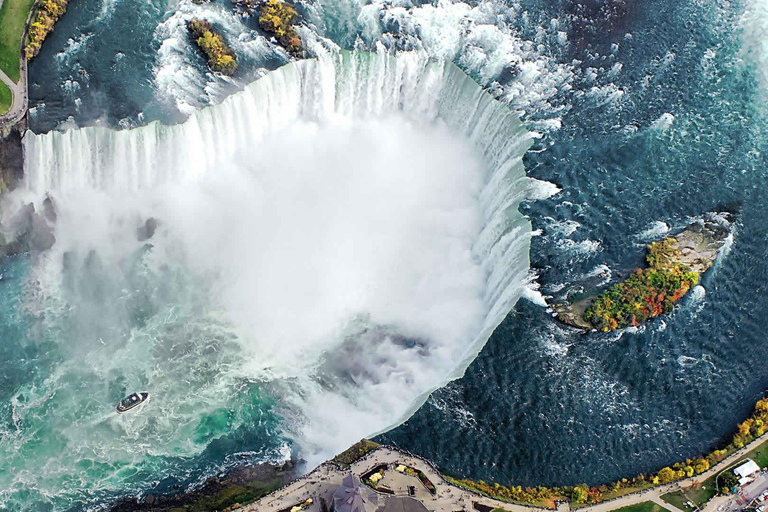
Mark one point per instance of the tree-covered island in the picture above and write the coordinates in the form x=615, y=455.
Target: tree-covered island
x=221, y=58
x=277, y=18
x=674, y=265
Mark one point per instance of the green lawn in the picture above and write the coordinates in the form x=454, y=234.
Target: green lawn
x=759, y=455
x=676, y=499
x=704, y=493
x=646, y=506
x=698, y=496
x=5, y=98
x=13, y=16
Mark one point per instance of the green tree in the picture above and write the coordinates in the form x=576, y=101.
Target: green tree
x=727, y=480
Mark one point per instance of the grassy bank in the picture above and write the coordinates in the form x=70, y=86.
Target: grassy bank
x=13, y=17
x=646, y=506
x=759, y=455
x=699, y=495
x=6, y=98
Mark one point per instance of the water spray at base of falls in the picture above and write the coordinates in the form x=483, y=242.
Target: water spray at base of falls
x=334, y=242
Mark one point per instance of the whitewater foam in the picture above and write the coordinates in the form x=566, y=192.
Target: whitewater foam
x=753, y=25
x=341, y=237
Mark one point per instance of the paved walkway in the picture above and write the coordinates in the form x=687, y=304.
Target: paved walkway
x=654, y=494
x=663, y=504
x=326, y=478
x=20, y=102
x=19, y=92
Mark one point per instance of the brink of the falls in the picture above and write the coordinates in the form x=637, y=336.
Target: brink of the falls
x=333, y=243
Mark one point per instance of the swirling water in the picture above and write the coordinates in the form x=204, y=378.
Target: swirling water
x=646, y=114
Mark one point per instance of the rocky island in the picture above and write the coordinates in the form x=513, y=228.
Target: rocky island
x=278, y=18
x=674, y=265
x=221, y=58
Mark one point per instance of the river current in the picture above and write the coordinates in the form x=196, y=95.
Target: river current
x=280, y=310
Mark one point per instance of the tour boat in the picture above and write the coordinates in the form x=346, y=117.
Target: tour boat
x=132, y=401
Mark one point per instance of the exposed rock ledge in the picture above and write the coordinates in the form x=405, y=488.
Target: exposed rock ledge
x=674, y=266
x=226, y=493
x=11, y=156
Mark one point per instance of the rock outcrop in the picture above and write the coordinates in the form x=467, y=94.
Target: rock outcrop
x=11, y=156
x=226, y=493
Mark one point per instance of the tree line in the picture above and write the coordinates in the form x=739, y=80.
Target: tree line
x=582, y=494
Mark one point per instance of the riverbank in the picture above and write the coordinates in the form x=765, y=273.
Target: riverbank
x=750, y=431
x=15, y=19
x=225, y=493
x=443, y=493
x=320, y=484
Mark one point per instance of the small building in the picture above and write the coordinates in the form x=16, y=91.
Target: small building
x=353, y=496
x=746, y=470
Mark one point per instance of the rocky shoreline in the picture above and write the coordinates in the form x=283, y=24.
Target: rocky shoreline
x=684, y=257
x=225, y=493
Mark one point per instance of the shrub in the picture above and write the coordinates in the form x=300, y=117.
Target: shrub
x=355, y=452
x=221, y=58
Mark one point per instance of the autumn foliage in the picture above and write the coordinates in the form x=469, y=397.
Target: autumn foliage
x=277, y=18
x=46, y=16
x=753, y=427
x=582, y=494
x=646, y=293
x=221, y=58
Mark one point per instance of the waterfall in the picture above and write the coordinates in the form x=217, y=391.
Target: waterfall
x=342, y=236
